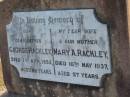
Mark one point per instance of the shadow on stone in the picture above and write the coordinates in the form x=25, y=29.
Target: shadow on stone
x=6, y=94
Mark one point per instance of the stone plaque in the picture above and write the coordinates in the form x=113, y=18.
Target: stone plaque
x=69, y=46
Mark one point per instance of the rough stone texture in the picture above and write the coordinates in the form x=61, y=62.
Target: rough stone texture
x=6, y=94
x=115, y=85
x=128, y=7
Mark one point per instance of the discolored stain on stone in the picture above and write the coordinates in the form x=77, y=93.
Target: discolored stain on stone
x=112, y=11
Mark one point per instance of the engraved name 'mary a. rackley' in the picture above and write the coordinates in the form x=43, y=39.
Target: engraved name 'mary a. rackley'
x=69, y=46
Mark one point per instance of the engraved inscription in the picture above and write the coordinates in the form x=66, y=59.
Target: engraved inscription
x=69, y=46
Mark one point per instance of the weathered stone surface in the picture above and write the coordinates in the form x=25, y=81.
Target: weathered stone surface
x=128, y=9
x=115, y=85
x=6, y=94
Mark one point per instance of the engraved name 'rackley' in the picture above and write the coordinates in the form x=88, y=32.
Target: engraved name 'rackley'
x=68, y=46
x=69, y=52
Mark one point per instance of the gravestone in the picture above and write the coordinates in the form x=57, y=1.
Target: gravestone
x=65, y=48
